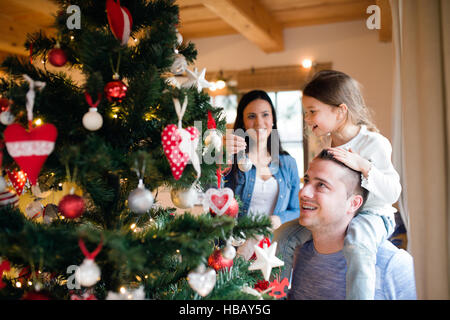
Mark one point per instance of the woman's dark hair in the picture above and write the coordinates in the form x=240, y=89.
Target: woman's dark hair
x=245, y=100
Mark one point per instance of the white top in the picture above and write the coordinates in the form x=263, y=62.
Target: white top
x=383, y=181
x=264, y=198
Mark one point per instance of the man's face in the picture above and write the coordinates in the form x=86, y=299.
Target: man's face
x=324, y=204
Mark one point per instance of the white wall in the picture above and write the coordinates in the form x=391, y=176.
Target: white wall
x=350, y=46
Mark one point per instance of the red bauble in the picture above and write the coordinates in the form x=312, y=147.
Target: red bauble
x=115, y=90
x=232, y=210
x=57, y=57
x=262, y=285
x=4, y=104
x=217, y=261
x=71, y=206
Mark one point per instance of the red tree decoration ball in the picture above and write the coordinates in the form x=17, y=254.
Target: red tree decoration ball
x=4, y=104
x=71, y=206
x=217, y=261
x=115, y=90
x=232, y=210
x=57, y=57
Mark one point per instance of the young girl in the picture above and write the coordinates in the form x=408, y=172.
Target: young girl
x=334, y=107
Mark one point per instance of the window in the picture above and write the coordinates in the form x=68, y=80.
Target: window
x=289, y=120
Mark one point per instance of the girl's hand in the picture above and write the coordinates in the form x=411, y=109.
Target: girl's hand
x=233, y=143
x=352, y=160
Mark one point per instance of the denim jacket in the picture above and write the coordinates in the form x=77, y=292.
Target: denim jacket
x=286, y=174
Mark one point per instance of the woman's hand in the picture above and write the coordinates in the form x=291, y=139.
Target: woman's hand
x=276, y=221
x=352, y=160
x=233, y=143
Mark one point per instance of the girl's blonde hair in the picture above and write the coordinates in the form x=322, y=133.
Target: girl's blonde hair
x=334, y=88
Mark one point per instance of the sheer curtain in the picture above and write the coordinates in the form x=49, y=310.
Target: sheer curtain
x=421, y=123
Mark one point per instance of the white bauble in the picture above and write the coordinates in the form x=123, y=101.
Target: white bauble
x=214, y=139
x=244, y=164
x=88, y=273
x=229, y=252
x=92, y=120
x=6, y=118
x=179, y=39
x=140, y=199
x=184, y=199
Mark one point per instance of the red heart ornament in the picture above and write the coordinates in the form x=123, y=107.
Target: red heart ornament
x=171, y=140
x=219, y=200
x=120, y=20
x=31, y=148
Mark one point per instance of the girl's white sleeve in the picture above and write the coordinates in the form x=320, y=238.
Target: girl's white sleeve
x=383, y=180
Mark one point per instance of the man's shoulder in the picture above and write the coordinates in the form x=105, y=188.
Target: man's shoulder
x=395, y=273
x=389, y=255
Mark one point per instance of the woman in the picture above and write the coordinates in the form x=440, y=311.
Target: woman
x=272, y=184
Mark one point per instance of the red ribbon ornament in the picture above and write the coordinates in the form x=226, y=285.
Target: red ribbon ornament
x=89, y=100
x=87, y=254
x=211, y=122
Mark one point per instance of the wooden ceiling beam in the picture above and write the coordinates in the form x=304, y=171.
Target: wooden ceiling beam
x=251, y=20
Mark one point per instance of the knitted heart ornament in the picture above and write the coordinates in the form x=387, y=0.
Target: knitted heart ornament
x=30, y=148
x=171, y=140
x=120, y=20
x=219, y=200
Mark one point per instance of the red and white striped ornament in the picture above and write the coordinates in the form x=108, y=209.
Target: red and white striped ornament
x=120, y=21
x=8, y=197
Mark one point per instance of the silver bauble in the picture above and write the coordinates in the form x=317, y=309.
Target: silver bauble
x=183, y=198
x=88, y=273
x=34, y=209
x=237, y=242
x=140, y=199
x=50, y=213
x=244, y=164
x=6, y=118
x=92, y=120
x=2, y=184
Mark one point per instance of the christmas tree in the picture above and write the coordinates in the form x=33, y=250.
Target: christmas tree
x=82, y=163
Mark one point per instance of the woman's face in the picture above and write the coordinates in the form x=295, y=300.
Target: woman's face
x=258, y=120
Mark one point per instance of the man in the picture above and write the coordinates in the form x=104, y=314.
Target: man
x=330, y=198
